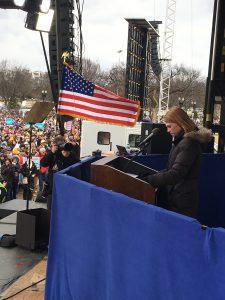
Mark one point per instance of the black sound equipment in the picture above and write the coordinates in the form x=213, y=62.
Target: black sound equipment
x=160, y=143
x=32, y=228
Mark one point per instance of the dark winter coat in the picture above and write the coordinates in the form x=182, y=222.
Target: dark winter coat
x=181, y=176
x=16, y=170
x=7, y=173
x=30, y=174
x=56, y=162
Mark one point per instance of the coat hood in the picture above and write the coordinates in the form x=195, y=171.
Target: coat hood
x=203, y=135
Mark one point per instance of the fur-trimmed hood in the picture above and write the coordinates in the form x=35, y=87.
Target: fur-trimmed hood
x=203, y=135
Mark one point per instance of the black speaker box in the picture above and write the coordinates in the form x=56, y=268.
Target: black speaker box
x=32, y=228
x=161, y=143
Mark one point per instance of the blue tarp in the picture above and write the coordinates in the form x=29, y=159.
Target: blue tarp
x=107, y=246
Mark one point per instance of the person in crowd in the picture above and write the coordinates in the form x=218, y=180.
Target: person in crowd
x=76, y=146
x=42, y=171
x=180, y=179
x=28, y=179
x=16, y=170
x=3, y=192
x=60, y=157
x=7, y=173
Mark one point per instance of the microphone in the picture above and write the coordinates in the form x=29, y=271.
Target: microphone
x=147, y=140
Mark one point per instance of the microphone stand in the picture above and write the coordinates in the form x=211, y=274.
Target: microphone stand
x=136, y=154
x=29, y=164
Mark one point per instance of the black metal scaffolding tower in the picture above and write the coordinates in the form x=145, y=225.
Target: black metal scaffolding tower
x=215, y=88
x=65, y=36
x=142, y=59
x=60, y=39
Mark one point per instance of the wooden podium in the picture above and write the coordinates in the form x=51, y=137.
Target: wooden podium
x=120, y=174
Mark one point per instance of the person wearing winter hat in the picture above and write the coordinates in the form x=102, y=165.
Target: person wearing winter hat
x=60, y=157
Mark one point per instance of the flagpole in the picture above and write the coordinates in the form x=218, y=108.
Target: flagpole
x=48, y=69
x=80, y=128
x=54, y=94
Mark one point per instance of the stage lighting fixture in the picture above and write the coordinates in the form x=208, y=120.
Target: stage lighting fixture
x=45, y=6
x=44, y=21
x=39, y=21
x=19, y=3
x=33, y=5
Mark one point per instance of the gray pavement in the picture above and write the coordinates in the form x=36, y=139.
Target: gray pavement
x=14, y=262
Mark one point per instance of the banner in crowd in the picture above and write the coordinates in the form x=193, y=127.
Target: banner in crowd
x=68, y=125
x=35, y=159
x=9, y=121
x=38, y=125
x=83, y=99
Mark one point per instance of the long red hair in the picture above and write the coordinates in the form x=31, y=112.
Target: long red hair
x=181, y=118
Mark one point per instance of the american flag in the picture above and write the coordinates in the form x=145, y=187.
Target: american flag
x=82, y=99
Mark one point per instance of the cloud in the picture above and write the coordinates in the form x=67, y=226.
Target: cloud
x=105, y=32
x=193, y=34
x=19, y=44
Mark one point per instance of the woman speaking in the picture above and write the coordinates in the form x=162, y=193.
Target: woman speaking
x=181, y=177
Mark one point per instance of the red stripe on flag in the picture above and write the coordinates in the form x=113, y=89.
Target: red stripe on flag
x=98, y=110
x=100, y=88
x=114, y=97
x=88, y=117
x=105, y=104
x=119, y=104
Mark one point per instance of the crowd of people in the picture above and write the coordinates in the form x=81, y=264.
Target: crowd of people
x=16, y=176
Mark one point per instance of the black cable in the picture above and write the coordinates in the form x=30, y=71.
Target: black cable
x=9, y=297
x=80, y=12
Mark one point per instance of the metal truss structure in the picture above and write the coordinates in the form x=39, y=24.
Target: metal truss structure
x=166, y=61
x=215, y=87
x=65, y=36
x=78, y=36
x=142, y=60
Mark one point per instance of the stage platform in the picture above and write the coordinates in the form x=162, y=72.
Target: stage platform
x=14, y=262
x=114, y=247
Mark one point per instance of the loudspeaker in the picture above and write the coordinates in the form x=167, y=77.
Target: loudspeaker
x=32, y=228
x=160, y=144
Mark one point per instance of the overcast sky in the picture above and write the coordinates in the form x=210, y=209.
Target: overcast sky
x=105, y=32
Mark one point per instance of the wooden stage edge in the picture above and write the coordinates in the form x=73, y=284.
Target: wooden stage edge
x=36, y=292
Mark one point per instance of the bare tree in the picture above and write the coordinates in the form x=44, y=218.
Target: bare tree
x=15, y=83
x=40, y=84
x=116, y=79
x=187, y=84
x=92, y=71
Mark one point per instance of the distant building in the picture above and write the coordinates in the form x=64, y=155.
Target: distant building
x=27, y=104
x=37, y=74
